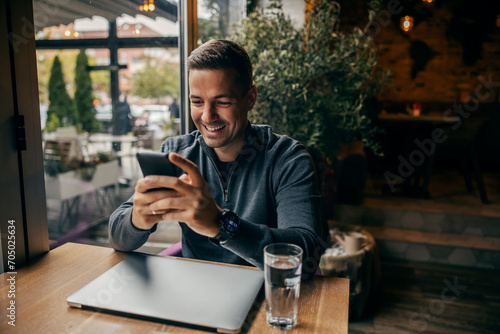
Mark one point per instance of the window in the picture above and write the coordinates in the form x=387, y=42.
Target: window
x=217, y=17
x=90, y=166
x=63, y=29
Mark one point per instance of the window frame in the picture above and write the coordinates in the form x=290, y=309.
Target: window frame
x=25, y=205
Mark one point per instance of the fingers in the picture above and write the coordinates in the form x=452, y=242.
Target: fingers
x=146, y=198
x=143, y=218
x=172, y=183
x=183, y=203
x=180, y=184
x=155, y=182
x=189, y=167
x=185, y=178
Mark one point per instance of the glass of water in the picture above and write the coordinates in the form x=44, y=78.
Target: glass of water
x=282, y=270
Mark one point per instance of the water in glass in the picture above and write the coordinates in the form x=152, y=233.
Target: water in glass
x=282, y=292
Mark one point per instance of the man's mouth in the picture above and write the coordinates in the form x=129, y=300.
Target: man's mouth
x=214, y=128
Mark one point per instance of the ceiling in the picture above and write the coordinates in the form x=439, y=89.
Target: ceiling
x=49, y=13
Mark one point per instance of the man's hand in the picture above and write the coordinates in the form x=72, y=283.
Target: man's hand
x=190, y=201
x=142, y=216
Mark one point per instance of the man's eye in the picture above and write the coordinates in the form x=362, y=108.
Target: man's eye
x=196, y=102
x=223, y=103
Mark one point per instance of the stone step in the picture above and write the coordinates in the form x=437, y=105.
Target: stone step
x=433, y=238
x=416, y=230
x=418, y=217
x=440, y=248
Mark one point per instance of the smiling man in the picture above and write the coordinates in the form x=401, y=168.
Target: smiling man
x=239, y=188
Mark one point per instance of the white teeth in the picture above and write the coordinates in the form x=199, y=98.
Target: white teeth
x=214, y=129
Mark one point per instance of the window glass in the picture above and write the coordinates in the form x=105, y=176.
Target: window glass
x=217, y=17
x=83, y=28
x=143, y=26
x=101, y=101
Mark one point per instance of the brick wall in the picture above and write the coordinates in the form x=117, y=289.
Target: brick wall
x=445, y=75
x=446, y=79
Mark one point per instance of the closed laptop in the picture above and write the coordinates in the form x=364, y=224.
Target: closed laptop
x=195, y=293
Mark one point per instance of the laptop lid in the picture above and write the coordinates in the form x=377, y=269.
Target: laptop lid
x=172, y=289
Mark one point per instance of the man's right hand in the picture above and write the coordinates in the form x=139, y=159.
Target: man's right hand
x=142, y=216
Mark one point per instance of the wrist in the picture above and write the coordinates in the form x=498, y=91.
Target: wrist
x=138, y=227
x=134, y=220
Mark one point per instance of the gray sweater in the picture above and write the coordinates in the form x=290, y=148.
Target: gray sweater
x=272, y=187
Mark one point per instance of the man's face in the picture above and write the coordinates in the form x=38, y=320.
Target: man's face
x=219, y=110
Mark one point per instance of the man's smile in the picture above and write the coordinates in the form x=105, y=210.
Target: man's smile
x=214, y=128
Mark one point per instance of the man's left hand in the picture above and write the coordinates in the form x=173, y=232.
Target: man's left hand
x=194, y=204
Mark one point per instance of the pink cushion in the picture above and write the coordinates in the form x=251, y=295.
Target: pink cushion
x=174, y=250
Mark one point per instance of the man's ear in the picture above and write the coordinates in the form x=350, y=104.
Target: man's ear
x=252, y=97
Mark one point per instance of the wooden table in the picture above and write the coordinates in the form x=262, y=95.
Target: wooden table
x=43, y=286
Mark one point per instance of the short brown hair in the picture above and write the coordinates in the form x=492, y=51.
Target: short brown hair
x=220, y=54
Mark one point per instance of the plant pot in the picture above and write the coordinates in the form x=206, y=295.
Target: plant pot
x=350, y=174
x=70, y=184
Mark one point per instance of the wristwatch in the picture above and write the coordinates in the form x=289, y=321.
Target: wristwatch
x=229, y=223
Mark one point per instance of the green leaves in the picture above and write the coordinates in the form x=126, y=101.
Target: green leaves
x=60, y=103
x=84, y=100
x=314, y=82
x=157, y=79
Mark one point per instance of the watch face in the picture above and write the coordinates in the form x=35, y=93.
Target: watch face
x=231, y=223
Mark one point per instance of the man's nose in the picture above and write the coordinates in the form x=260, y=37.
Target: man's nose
x=209, y=113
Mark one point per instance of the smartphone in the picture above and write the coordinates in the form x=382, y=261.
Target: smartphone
x=155, y=163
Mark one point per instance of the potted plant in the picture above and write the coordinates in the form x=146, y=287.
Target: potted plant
x=67, y=179
x=68, y=172
x=315, y=82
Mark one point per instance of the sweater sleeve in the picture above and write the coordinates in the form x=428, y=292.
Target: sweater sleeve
x=300, y=217
x=123, y=235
